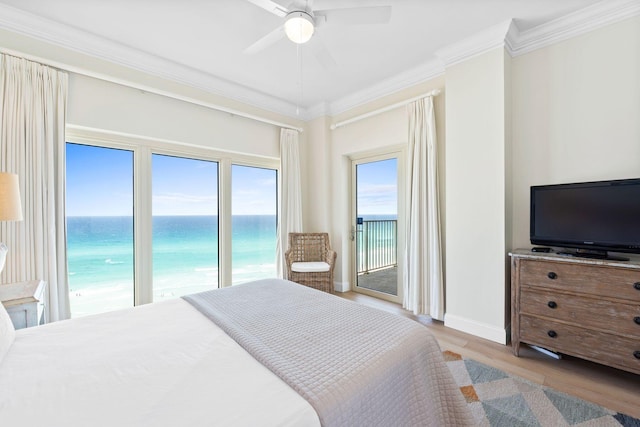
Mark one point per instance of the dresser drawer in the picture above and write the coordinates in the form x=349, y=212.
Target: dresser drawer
x=589, y=312
x=613, y=350
x=606, y=281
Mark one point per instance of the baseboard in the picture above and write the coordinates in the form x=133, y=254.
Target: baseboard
x=341, y=286
x=478, y=329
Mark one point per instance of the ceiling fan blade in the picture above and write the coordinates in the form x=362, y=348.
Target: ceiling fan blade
x=321, y=53
x=355, y=15
x=271, y=6
x=266, y=41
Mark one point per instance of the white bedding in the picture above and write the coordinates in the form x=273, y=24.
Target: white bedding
x=161, y=364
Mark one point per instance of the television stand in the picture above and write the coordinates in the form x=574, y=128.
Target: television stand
x=586, y=308
x=593, y=254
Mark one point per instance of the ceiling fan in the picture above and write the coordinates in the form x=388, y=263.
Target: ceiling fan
x=301, y=20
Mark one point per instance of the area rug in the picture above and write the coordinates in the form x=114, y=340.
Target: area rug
x=500, y=399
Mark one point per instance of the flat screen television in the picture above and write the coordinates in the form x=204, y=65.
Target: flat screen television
x=590, y=217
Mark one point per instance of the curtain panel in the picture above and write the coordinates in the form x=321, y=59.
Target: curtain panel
x=290, y=212
x=423, y=279
x=33, y=103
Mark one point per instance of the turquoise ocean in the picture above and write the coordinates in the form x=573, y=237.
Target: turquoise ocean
x=100, y=253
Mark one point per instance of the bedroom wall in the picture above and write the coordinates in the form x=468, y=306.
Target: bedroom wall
x=317, y=182
x=576, y=114
x=476, y=174
x=386, y=131
x=108, y=106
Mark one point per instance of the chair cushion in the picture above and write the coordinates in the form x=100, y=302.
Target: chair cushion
x=310, y=267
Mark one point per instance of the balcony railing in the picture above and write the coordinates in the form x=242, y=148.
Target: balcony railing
x=376, y=245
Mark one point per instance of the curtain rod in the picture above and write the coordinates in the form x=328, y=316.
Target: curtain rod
x=168, y=94
x=434, y=92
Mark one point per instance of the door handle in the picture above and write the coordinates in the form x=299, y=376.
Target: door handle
x=353, y=232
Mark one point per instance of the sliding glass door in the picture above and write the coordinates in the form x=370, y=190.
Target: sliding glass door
x=149, y=224
x=375, y=226
x=185, y=226
x=100, y=245
x=254, y=207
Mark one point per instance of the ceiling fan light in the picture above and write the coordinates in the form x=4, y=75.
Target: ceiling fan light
x=299, y=27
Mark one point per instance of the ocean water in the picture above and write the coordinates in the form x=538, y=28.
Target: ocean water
x=185, y=257
x=376, y=243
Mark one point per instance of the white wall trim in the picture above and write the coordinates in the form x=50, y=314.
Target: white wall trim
x=341, y=286
x=425, y=72
x=76, y=133
x=489, y=39
x=479, y=329
x=572, y=25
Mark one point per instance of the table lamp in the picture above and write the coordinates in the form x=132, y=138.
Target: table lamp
x=10, y=206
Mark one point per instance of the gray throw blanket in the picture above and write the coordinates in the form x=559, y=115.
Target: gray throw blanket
x=357, y=366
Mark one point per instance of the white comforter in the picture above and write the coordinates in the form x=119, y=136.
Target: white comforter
x=162, y=364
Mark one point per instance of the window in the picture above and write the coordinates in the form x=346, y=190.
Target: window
x=99, y=204
x=254, y=219
x=185, y=226
x=149, y=221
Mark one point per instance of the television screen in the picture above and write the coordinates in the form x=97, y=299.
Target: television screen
x=601, y=215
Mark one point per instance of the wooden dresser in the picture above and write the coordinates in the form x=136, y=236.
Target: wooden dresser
x=581, y=307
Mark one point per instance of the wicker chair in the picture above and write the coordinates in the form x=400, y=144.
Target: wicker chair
x=310, y=260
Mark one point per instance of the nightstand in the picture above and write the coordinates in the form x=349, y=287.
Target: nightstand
x=24, y=302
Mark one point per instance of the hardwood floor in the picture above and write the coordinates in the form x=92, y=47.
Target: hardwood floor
x=611, y=388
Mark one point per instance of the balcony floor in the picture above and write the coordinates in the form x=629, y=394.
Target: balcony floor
x=384, y=280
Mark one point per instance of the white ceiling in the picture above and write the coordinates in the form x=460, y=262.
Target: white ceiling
x=206, y=39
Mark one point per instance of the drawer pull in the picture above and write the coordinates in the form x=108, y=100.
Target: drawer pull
x=637, y=320
x=636, y=354
x=637, y=285
x=554, y=276
x=552, y=304
x=554, y=334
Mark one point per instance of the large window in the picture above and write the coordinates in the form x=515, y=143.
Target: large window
x=147, y=224
x=100, y=247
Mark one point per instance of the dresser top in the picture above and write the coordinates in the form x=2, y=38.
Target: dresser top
x=21, y=292
x=634, y=260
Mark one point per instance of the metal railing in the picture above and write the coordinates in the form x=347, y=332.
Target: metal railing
x=376, y=245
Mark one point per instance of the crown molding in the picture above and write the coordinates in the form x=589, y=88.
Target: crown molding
x=318, y=110
x=404, y=80
x=489, y=39
x=28, y=24
x=580, y=22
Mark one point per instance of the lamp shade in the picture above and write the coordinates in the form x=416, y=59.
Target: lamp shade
x=10, y=203
x=299, y=27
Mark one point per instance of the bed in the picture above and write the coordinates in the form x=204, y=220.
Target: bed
x=265, y=353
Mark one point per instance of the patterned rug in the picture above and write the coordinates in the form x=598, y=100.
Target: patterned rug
x=499, y=399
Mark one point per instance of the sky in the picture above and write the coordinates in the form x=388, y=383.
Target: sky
x=377, y=188
x=100, y=183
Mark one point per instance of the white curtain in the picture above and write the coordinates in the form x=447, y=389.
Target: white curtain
x=33, y=102
x=423, y=278
x=290, y=218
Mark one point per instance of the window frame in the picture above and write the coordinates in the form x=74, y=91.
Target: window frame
x=143, y=148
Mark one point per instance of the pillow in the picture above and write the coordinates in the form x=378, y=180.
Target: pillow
x=7, y=332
